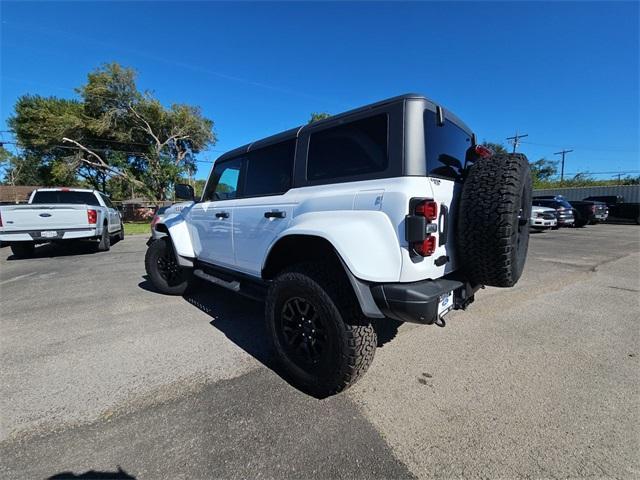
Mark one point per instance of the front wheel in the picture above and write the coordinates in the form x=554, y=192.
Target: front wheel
x=320, y=337
x=121, y=232
x=22, y=249
x=164, y=272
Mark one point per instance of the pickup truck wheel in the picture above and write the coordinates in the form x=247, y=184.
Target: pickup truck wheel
x=22, y=249
x=318, y=332
x=105, y=240
x=164, y=272
x=121, y=232
x=493, y=220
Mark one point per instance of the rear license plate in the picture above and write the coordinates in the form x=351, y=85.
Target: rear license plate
x=445, y=304
x=49, y=234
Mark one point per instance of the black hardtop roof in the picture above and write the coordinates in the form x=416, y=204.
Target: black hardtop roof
x=295, y=132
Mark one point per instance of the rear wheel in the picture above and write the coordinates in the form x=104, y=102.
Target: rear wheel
x=164, y=272
x=121, y=232
x=105, y=240
x=321, y=338
x=22, y=249
x=493, y=220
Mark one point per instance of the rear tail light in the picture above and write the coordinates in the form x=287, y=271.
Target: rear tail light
x=154, y=221
x=420, y=226
x=593, y=208
x=427, y=209
x=0, y=219
x=92, y=215
x=483, y=151
x=426, y=247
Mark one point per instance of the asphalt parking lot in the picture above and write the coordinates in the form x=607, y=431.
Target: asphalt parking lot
x=104, y=378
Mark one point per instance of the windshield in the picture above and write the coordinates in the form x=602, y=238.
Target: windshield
x=59, y=196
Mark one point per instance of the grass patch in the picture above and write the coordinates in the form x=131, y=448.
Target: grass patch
x=137, y=228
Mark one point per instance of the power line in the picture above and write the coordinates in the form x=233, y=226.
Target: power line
x=563, y=153
x=515, y=140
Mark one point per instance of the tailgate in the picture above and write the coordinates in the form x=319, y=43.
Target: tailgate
x=44, y=217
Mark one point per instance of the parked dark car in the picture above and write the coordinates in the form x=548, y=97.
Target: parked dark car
x=588, y=212
x=618, y=208
x=564, y=210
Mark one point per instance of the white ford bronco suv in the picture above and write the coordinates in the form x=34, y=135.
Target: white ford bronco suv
x=388, y=211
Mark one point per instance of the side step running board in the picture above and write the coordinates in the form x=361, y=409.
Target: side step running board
x=233, y=285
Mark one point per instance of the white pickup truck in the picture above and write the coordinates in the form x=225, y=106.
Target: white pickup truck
x=60, y=215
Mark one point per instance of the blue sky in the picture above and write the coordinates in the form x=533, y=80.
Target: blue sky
x=565, y=73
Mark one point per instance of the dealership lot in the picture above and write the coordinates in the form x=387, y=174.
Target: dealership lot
x=101, y=373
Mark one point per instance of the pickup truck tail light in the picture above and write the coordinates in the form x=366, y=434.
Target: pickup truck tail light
x=92, y=215
x=593, y=208
x=0, y=219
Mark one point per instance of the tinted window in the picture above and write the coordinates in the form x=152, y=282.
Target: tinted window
x=446, y=147
x=223, y=184
x=356, y=148
x=106, y=201
x=269, y=169
x=79, y=198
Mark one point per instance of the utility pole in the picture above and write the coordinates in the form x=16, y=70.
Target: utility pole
x=563, y=153
x=516, y=140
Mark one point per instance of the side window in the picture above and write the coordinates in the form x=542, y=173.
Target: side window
x=224, y=181
x=446, y=147
x=269, y=169
x=106, y=201
x=355, y=148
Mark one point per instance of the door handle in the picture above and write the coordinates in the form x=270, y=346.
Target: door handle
x=444, y=219
x=275, y=214
x=222, y=214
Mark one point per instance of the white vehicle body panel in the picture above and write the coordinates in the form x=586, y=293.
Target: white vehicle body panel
x=364, y=221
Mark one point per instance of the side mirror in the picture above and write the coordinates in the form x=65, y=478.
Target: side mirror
x=184, y=191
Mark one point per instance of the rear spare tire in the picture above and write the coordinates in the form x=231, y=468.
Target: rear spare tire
x=493, y=220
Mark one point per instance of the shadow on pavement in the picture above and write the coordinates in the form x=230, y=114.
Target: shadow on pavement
x=242, y=321
x=120, y=474
x=63, y=249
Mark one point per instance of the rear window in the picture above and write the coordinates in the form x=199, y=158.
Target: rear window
x=269, y=169
x=446, y=147
x=352, y=149
x=57, y=196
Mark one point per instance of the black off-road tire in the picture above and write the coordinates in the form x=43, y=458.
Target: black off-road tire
x=22, y=249
x=164, y=272
x=348, y=341
x=121, y=232
x=493, y=220
x=104, y=245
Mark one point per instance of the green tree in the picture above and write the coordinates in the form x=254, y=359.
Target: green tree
x=496, y=147
x=543, y=170
x=317, y=116
x=113, y=131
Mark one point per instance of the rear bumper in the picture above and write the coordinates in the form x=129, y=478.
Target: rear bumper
x=417, y=302
x=36, y=235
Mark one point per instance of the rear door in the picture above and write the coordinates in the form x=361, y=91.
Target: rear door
x=264, y=209
x=211, y=220
x=446, y=147
x=112, y=213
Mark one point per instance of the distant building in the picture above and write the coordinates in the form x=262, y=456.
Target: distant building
x=16, y=194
